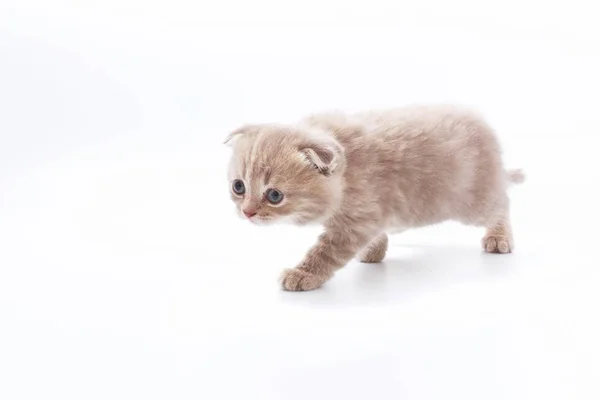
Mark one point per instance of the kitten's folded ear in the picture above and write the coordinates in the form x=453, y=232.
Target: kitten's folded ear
x=324, y=154
x=241, y=131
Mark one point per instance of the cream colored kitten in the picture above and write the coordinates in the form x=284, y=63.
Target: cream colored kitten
x=364, y=175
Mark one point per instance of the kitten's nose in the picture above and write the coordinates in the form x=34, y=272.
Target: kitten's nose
x=249, y=214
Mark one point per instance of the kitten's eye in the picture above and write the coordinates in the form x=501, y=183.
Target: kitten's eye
x=238, y=187
x=274, y=196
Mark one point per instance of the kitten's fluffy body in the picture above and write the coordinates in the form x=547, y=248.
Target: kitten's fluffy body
x=368, y=174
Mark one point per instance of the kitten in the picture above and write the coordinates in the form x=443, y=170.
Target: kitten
x=368, y=174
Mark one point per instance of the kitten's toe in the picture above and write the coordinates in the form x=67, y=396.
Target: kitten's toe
x=375, y=251
x=299, y=280
x=370, y=256
x=496, y=244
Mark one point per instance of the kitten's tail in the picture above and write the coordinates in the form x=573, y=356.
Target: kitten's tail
x=515, y=176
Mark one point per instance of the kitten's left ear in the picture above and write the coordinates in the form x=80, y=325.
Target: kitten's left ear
x=325, y=155
x=244, y=130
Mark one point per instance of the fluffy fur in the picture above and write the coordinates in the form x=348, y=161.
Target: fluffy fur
x=365, y=175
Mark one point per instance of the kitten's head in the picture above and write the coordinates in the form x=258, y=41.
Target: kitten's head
x=284, y=173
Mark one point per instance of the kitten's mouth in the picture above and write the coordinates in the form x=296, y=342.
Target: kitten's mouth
x=254, y=219
x=260, y=220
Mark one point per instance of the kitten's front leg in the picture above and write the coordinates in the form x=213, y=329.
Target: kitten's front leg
x=332, y=252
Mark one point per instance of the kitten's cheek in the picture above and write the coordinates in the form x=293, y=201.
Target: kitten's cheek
x=290, y=219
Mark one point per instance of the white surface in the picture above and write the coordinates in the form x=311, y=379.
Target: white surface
x=125, y=274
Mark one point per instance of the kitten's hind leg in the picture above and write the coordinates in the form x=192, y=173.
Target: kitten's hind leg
x=375, y=251
x=498, y=237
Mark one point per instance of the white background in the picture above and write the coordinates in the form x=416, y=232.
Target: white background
x=126, y=274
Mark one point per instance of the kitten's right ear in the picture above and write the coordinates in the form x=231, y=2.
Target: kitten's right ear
x=244, y=130
x=324, y=155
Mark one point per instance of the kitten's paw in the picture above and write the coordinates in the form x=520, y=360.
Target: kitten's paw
x=299, y=280
x=375, y=251
x=371, y=255
x=496, y=244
